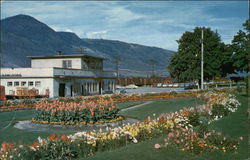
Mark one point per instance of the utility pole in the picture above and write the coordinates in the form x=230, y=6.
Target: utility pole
x=202, y=86
x=117, y=61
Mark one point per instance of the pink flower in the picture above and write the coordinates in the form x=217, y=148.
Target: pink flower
x=241, y=138
x=157, y=146
x=177, y=142
x=170, y=135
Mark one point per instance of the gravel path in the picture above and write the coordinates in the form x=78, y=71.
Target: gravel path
x=136, y=106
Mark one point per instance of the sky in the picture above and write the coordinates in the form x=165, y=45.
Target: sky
x=151, y=23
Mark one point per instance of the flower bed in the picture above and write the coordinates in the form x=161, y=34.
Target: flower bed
x=186, y=130
x=23, y=104
x=197, y=143
x=72, y=113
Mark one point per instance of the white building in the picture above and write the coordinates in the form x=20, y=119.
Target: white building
x=60, y=75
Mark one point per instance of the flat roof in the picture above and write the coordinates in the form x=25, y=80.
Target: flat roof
x=65, y=56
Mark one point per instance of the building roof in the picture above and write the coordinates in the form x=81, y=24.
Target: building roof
x=65, y=56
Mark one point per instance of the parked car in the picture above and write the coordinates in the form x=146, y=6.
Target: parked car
x=159, y=85
x=175, y=85
x=119, y=87
x=131, y=86
x=164, y=85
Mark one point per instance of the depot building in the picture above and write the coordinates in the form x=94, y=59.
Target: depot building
x=61, y=76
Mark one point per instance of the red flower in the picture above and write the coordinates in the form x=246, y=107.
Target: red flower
x=52, y=137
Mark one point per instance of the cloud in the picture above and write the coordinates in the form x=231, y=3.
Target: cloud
x=150, y=23
x=97, y=34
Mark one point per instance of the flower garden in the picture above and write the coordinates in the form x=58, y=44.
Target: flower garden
x=185, y=130
x=57, y=112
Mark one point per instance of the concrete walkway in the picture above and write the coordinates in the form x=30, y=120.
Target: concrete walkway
x=136, y=106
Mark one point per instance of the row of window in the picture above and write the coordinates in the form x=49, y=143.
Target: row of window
x=24, y=83
x=94, y=87
x=67, y=63
x=90, y=87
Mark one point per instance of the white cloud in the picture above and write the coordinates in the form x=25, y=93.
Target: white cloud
x=150, y=23
x=120, y=15
x=97, y=34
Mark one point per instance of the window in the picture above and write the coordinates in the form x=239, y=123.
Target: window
x=38, y=83
x=30, y=83
x=67, y=63
x=93, y=87
x=9, y=84
x=23, y=83
x=16, y=83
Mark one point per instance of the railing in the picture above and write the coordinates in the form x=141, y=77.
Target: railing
x=62, y=72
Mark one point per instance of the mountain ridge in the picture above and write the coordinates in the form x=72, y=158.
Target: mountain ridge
x=23, y=35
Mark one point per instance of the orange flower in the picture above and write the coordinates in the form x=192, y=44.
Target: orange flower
x=5, y=146
x=52, y=137
x=64, y=138
x=35, y=145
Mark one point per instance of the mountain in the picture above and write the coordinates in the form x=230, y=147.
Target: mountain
x=23, y=35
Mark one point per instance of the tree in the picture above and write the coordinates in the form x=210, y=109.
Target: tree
x=185, y=65
x=241, y=48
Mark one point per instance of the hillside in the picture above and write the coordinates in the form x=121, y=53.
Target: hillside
x=23, y=36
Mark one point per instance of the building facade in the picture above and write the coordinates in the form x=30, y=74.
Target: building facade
x=60, y=76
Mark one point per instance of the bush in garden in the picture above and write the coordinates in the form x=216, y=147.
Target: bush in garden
x=197, y=143
x=70, y=112
x=219, y=111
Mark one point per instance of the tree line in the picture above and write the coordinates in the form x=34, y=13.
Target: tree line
x=220, y=59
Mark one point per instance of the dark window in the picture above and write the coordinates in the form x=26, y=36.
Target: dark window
x=67, y=63
x=16, y=83
x=30, y=83
x=23, y=83
x=9, y=83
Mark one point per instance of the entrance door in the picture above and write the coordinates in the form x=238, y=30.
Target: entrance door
x=61, y=90
x=71, y=91
x=100, y=87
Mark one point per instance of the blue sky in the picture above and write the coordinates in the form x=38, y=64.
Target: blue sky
x=149, y=23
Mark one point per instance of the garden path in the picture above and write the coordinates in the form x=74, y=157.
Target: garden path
x=136, y=106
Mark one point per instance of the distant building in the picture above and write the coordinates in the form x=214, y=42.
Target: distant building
x=60, y=75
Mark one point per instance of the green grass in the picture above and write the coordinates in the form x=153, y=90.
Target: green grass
x=123, y=105
x=234, y=126
x=159, y=107
x=10, y=134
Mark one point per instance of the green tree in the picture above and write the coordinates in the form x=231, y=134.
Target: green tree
x=241, y=48
x=185, y=65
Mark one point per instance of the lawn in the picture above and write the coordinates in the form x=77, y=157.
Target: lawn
x=163, y=106
x=235, y=125
x=123, y=105
x=10, y=134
